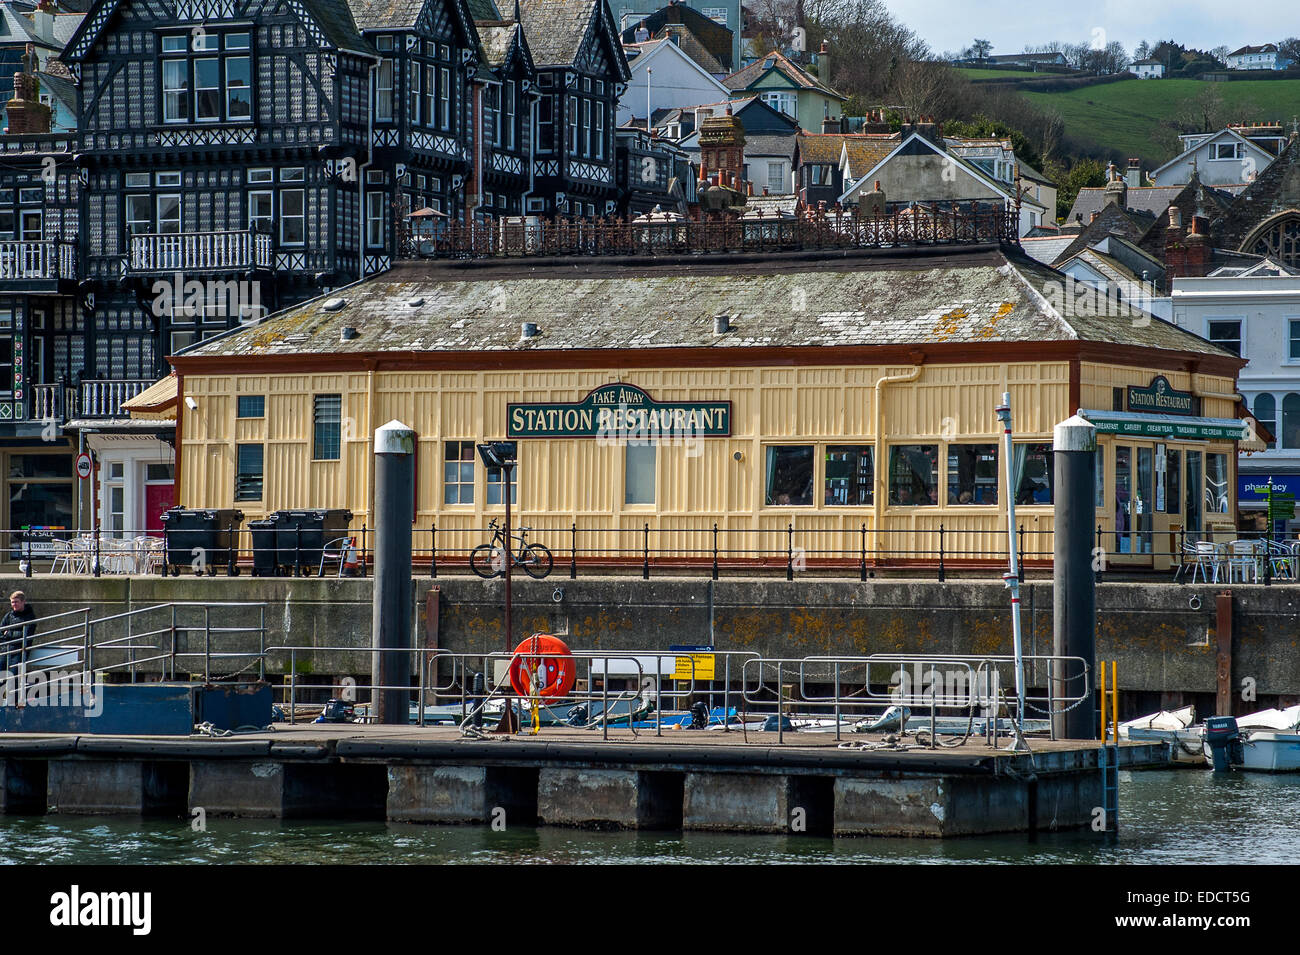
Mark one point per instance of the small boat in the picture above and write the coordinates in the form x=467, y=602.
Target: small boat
x=1269, y=742
x=1174, y=727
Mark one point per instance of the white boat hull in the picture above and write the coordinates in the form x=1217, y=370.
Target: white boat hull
x=1270, y=752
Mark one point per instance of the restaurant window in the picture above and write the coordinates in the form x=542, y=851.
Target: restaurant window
x=494, y=481
x=850, y=475
x=790, y=475
x=1291, y=421
x=972, y=474
x=639, y=462
x=1034, y=474
x=327, y=428
x=1265, y=412
x=1173, y=479
x=248, y=472
x=914, y=475
x=251, y=406
x=1216, y=484
x=1194, y=491
x=458, y=472
x=1226, y=335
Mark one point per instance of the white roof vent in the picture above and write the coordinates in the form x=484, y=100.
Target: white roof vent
x=415, y=302
x=334, y=304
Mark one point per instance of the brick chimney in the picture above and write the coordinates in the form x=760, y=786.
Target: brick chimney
x=27, y=114
x=1186, y=256
x=1116, y=189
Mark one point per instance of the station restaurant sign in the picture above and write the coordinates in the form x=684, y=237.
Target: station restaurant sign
x=619, y=411
x=1160, y=398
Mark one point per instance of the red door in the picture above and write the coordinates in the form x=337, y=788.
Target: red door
x=157, y=499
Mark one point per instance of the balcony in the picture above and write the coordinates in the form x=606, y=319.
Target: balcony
x=103, y=398
x=37, y=262
x=52, y=402
x=228, y=251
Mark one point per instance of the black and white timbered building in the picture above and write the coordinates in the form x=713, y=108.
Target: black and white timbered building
x=581, y=73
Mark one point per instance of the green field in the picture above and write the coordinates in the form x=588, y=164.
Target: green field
x=1129, y=115
x=975, y=73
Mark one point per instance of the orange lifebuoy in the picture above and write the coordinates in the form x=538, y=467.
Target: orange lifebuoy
x=546, y=659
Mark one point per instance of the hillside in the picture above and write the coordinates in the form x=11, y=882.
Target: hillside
x=1129, y=116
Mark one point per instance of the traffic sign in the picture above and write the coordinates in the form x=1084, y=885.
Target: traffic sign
x=84, y=465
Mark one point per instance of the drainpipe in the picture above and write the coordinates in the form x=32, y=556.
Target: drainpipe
x=361, y=173
x=532, y=149
x=881, y=486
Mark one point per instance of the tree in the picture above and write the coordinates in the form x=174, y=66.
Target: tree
x=1203, y=113
x=1220, y=54
x=1289, y=49
x=1142, y=51
x=982, y=127
x=981, y=49
x=1086, y=173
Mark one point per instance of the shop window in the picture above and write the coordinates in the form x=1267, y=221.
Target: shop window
x=1265, y=412
x=251, y=406
x=1216, y=484
x=458, y=472
x=639, y=462
x=914, y=475
x=1034, y=473
x=327, y=428
x=1291, y=421
x=1226, y=335
x=850, y=476
x=40, y=494
x=972, y=474
x=248, y=472
x=495, y=481
x=790, y=476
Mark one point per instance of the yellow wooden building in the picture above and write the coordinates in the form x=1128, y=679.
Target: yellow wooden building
x=833, y=406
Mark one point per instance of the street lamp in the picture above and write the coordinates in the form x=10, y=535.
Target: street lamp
x=500, y=456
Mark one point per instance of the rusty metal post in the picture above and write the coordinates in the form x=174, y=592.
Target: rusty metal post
x=1223, y=653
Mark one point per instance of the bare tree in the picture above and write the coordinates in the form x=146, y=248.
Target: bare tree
x=1204, y=112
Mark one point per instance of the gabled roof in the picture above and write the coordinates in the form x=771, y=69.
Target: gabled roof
x=1111, y=220
x=1248, y=50
x=957, y=296
x=405, y=14
x=711, y=36
x=333, y=18
x=654, y=50
x=860, y=155
x=1274, y=192
x=1150, y=199
x=1046, y=249
x=1033, y=175
x=782, y=146
x=1229, y=132
x=1193, y=199
x=916, y=144
x=747, y=77
x=498, y=40
x=867, y=148
x=558, y=28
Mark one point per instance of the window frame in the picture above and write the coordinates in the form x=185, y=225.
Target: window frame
x=240, y=472
x=327, y=427
x=460, y=484
x=179, y=103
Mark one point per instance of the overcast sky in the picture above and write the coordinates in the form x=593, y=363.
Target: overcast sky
x=952, y=24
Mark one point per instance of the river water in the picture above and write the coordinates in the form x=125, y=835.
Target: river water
x=1166, y=817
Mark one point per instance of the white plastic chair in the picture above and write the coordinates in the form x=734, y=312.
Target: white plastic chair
x=1206, y=558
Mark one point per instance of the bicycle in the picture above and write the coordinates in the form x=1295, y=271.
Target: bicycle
x=487, y=560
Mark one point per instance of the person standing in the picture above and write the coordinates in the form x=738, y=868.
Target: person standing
x=15, y=639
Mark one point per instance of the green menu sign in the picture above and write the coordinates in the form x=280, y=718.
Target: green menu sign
x=619, y=411
x=1160, y=397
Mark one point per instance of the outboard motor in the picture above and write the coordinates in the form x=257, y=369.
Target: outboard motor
x=699, y=716
x=1224, y=742
x=336, y=711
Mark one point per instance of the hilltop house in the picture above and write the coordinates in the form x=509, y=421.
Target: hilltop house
x=1148, y=69
x=1265, y=57
x=1233, y=155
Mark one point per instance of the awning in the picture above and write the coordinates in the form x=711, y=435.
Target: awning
x=1135, y=425
x=157, y=402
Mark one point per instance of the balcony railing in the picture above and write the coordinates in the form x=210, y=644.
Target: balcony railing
x=200, y=251
x=52, y=402
x=103, y=398
x=37, y=261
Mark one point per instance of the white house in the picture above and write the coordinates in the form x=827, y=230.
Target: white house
x=1220, y=159
x=664, y=77
x=1148, y=69
x=919, y=170
x=1255, y=312
x=1266, y=57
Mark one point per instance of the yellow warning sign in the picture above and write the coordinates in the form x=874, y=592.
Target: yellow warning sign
x=697, y=666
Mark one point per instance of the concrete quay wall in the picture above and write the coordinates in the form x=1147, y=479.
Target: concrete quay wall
x=1164, y=636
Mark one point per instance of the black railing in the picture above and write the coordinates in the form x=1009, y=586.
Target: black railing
x=788, y=549
x=754, y=232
